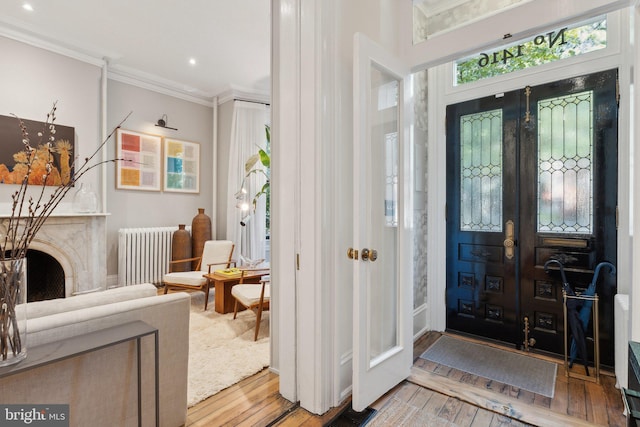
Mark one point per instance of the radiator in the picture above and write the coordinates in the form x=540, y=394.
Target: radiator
x=621, y=338
x=144, y=254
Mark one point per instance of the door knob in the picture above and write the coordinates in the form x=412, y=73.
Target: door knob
x=369, y=254
x=352, y=253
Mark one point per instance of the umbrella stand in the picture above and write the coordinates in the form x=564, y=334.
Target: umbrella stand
x=573, y=299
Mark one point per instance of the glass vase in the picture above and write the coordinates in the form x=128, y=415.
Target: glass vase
x=13, y=311
x=85, y=200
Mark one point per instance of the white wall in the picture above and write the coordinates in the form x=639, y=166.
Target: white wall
x=131, y=208
x=225, y=116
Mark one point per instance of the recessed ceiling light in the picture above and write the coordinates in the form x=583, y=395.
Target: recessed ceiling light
x=192, y=61
x=27, y=6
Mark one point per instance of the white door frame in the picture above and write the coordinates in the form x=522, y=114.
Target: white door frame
x=285, y=87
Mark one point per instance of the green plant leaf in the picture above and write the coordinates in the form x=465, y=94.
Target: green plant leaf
x=265, y=159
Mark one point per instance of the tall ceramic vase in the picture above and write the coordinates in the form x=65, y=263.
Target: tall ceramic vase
x=181, y=248
x=200, y=233
x=13, y=313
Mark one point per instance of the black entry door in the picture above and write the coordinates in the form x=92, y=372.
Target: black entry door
x=531, y=176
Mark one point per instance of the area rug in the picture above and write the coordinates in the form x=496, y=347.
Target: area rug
x=222, y=350
x=518, y=370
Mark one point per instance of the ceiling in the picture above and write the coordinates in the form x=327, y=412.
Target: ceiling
x=153, y=40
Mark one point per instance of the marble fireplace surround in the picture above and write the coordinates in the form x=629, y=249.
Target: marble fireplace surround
x=78, y=242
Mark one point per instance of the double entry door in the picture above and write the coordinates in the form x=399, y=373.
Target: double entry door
x=531, y=176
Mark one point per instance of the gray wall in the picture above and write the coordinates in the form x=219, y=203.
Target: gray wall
x=31, y=79
x=131, y=208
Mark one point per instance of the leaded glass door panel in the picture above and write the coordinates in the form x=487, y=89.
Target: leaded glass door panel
x=542, y=187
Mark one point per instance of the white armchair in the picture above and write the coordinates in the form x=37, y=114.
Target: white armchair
x=215, y=255
x=255, y=297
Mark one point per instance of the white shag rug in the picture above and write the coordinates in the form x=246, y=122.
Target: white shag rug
x=222, y=350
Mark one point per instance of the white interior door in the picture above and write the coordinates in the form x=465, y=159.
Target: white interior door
x=383, y=209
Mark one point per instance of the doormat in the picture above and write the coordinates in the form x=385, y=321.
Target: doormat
x=348, y=417
x=517, y=370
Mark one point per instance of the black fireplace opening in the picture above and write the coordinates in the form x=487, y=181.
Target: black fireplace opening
x=45, y=277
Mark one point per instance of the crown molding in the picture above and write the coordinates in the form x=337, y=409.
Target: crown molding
x=156, y=84
x=6, y=30
x=116, y=73
x=236, y=93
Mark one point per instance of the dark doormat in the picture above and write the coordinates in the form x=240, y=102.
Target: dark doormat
x=348, y=417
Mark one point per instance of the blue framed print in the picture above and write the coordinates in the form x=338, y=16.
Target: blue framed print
x=181, y=166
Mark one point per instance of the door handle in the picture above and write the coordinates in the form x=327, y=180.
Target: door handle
x=509, y=243
x=367, y=254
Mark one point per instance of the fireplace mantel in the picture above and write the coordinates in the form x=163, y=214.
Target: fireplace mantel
x=5, y=215
x=78, y=242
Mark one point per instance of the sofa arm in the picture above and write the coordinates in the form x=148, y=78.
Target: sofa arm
x=48, y=307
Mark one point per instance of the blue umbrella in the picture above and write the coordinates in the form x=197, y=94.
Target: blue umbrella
x=585, y=310
x=573, y=318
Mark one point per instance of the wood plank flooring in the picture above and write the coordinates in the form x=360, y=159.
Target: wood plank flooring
x=434, y=392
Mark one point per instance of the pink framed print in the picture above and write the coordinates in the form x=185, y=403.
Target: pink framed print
x=141, y=168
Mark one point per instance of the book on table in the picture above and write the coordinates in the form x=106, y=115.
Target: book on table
x=229, y=272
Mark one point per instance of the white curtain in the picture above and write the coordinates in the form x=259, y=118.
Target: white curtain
x=247, y=136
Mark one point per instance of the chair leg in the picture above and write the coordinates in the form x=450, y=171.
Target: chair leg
x=258, y=319
x=235, y=310
x=206, y=295
x=166, y=288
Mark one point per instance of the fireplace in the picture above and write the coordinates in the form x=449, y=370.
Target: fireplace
x=45, y=277
x=77, y=243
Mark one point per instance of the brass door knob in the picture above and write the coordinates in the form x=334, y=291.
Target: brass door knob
x=369, y=254
x=352, y=253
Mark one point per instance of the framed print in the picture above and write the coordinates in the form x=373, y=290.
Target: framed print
x=181, y=166
x=141, y=164
x=14, y=159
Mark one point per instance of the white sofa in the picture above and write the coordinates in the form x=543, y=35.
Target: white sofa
x=101, y=386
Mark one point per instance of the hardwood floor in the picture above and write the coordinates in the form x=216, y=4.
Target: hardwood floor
x=446, y=396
